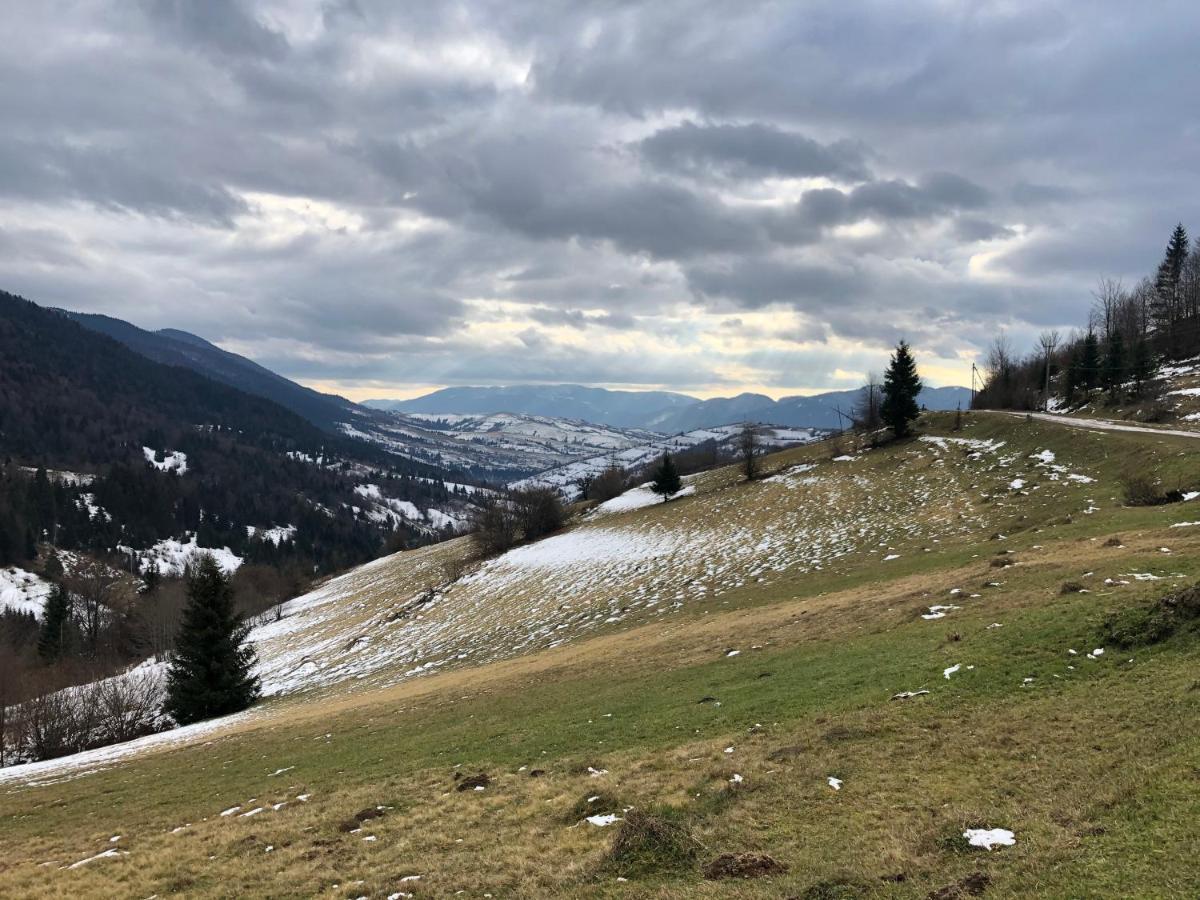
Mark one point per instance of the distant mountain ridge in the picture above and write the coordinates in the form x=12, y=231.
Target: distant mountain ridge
x=624, y=409
x=660, y=411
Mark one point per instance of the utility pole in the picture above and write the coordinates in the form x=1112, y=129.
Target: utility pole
x=842, y=415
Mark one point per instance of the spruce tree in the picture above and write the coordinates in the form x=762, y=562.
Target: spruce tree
x=211, y=666
x=901, y=387
x=1144, y=364
x=667, y=482
x=1114, y=364
x=56, y=614
x=1089, y=362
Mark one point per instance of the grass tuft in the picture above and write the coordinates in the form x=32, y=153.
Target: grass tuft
x=650, y=843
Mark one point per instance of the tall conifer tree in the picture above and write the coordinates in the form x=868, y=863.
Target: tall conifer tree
x=901, y=387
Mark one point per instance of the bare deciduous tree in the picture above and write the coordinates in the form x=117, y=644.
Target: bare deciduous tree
x=749, y=440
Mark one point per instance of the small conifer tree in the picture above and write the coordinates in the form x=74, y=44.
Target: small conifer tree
x=55, y=617
x=667, y=482
x=211, y=666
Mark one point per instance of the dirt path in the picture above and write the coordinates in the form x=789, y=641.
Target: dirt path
x=1104, y=424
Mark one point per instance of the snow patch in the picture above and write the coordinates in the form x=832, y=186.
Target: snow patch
x=987, y=838
x=172, y=461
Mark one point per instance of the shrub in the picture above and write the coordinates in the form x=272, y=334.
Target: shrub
x=1141, y=488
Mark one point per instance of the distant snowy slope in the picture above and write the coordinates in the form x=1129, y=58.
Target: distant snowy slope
x=566, y=478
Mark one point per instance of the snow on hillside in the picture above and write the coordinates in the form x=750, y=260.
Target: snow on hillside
x=390, y=511
x=61, y=476
x=397, y=618
x=172, y=460
x=275, y=535
x=566, y=478
x=23, y=591
x=637, y=498
x=171, y=557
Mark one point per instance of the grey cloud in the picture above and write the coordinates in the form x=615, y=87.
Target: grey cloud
x=972, y=229
x=575, y=318
x=755, y=283
x=225, y=26
x=752, y=151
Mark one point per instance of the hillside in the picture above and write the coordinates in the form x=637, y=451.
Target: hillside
x=846, y=666
x=179, y=348
x=498, y=447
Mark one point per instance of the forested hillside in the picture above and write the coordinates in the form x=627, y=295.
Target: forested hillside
x=178, y=348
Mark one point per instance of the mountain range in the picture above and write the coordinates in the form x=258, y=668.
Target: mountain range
x=660, y=411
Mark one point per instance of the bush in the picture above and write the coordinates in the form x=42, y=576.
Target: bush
x=1141, y=489
x=539, y=512
x=495, y=527
x=610, y=483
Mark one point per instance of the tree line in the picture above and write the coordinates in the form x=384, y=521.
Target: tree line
x=1130, y=333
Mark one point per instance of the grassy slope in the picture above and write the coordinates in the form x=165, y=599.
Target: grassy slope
x=1094, y=768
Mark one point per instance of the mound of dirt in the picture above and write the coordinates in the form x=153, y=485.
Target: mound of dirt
x=743, y=865
x=355, y=821
x=471, y=782
x=971, y=886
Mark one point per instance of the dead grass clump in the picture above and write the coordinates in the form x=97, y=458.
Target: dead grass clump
x=652, y=843
x=355, y=821
x=743, y=865
x=1114, y=541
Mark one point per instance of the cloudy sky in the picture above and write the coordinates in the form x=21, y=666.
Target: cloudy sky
x=376, y=197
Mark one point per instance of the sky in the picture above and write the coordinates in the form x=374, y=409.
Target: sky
x=380, y=198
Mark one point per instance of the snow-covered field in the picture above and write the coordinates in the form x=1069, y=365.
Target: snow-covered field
x=496, y=443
